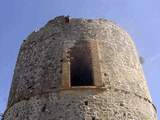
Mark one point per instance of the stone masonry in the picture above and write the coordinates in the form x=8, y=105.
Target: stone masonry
x=41, y=87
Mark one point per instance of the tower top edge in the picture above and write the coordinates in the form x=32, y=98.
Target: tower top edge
x=63, y=17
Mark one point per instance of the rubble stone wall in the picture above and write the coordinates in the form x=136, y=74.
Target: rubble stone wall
x=36, y=92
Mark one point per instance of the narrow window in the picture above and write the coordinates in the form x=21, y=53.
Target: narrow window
x=81, y=67
x=81, y=71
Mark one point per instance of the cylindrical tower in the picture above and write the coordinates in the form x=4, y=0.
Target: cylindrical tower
x=79, y=69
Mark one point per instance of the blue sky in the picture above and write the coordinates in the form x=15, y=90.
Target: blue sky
x=141, y=18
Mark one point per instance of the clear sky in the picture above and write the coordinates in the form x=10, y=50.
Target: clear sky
x=141, y=18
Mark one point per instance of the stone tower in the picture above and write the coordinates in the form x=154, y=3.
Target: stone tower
x=79, y=69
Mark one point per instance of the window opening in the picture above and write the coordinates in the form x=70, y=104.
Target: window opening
x=81, y=70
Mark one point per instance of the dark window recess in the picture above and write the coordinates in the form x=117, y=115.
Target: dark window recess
x=81, y=65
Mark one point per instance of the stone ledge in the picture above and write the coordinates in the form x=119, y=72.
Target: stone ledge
x=86, y=88
x=83, y=88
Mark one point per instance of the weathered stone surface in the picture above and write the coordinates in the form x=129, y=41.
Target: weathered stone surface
x=36, y=92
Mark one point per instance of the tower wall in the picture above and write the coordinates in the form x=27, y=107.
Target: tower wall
x=37, y=93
